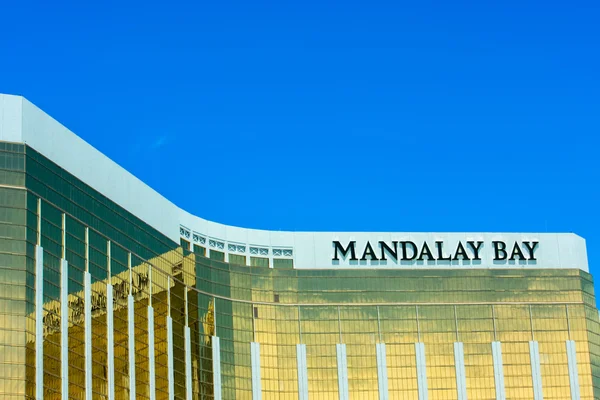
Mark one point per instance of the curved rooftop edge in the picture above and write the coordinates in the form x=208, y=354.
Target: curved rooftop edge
x=23, y=122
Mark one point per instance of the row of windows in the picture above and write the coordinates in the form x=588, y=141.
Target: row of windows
x=237, y=259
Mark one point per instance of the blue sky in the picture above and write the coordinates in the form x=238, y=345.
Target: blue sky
x=313, y=115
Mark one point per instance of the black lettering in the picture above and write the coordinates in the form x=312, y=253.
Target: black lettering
x=441, y=257
x=516, y=252
x=425, y=252
x=475, y=249
x=369, y=252
x=385, y=247
x=531, y=246
x=404, y=251
x=351, y=248
x=460, y=251
x=499, y=248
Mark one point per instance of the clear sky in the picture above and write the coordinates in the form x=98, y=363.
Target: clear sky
x=316, y=115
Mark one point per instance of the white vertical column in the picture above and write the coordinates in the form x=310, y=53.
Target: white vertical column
x=187, y=339
x=342, y=370
x=39, y=322
x=421, y=371
x=216, y=364
x=110, y=341
x=255, y=360
x=382, y=377
x=498, y=370
x=64, y=314
x=302, y=372
x=573, y=373
x=170, y=374
x=110, y=327
x=271, y=262
x=151, y=356
x=131, y=332
x=459, y=365
x=87, y=304
x=248, y=255
x=188, y=362
x=131, y=342
x=170, y=363
x=536, y=376
x=64, y=329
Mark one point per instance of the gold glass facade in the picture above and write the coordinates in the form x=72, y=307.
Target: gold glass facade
x=44, y=207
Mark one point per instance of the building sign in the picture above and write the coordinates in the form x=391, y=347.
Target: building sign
x=438, y=250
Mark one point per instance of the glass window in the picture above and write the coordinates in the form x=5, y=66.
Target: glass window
x=217, y=255
x=185, y=244
x=199, y=250
x=283, y=263
x=237, y=259
x=259, y=262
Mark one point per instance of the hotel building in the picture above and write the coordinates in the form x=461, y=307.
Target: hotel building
x=110, y=291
